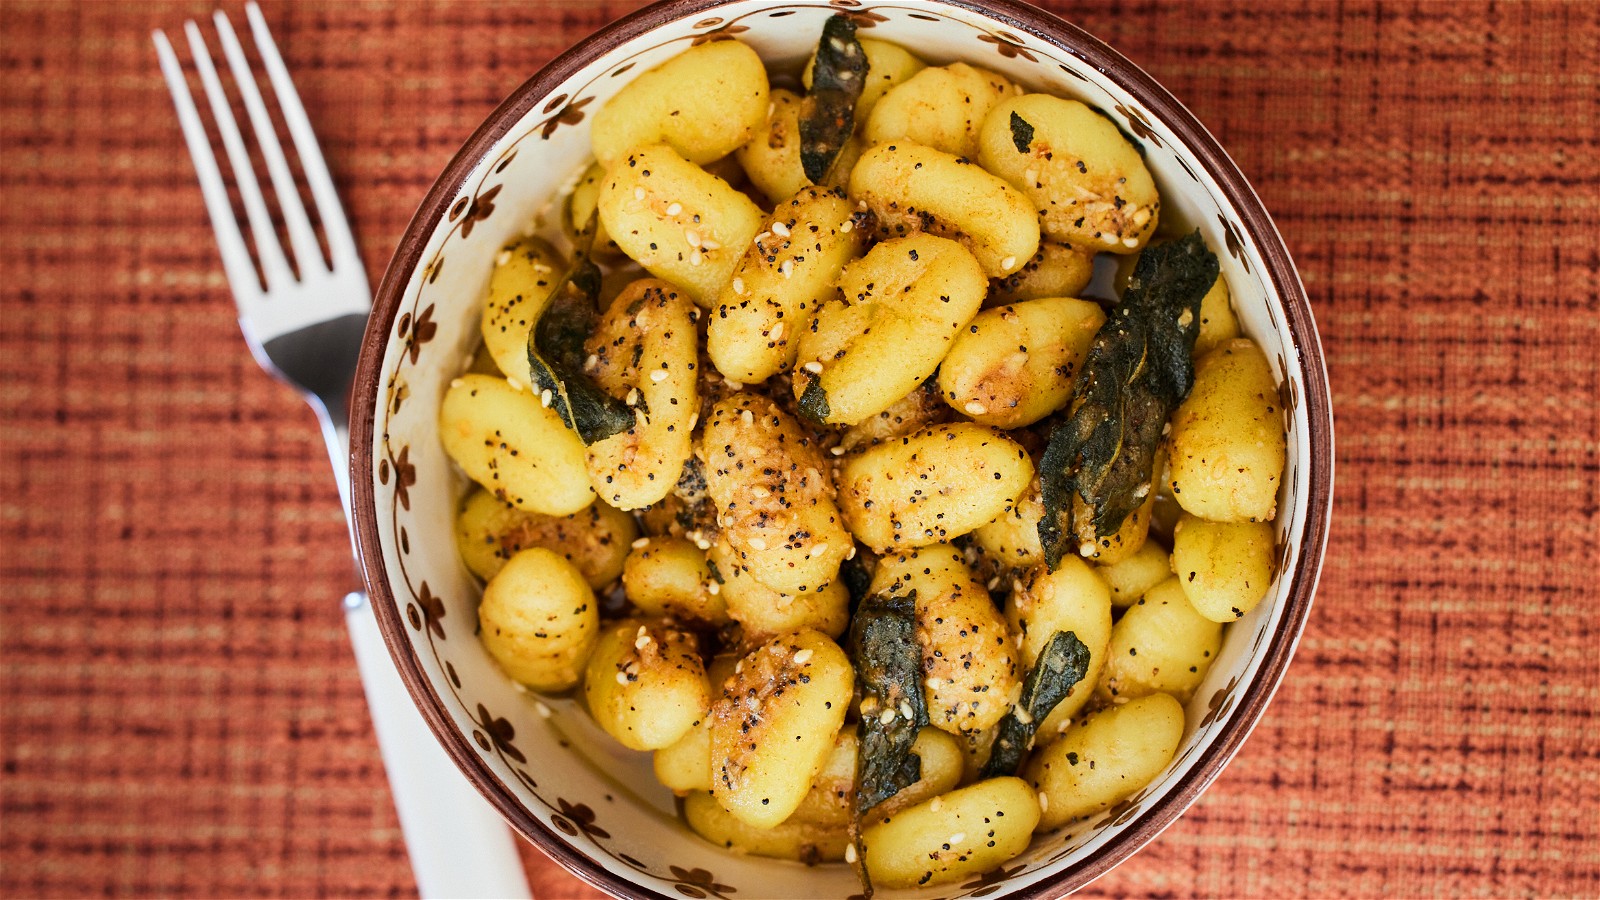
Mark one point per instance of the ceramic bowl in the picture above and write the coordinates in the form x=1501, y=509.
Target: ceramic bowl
x=570, y=789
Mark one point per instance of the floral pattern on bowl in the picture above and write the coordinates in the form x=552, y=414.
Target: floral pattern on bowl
x=592, y=805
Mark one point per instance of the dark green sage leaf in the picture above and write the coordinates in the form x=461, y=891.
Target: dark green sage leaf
x=828, y=115
x=1137, y=372
x=888, y=661
x=555, y=350
x=813, y=404
x=1062, y=664
x=1021, y=133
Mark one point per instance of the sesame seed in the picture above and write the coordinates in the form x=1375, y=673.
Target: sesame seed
x=1008, y=262
x=974, y=408
x=733, y=385
x=803, y=657
x=813, y=367
x=622, y=678
x=780, y=229
x=957, y=838
x=638, y=193
x=757, y=544
x=633, y=397
x=503, y=258
x=850, y=853
x=1044, y=802
x=818, y=551
x=846, y=226
x=692, y=236
x=546, y=398
x=674, y=208
x=515, y=384
x=591, y=363
x=457, y=382
x=747, y=417
x=712, y=587
x=658, y=376
x=694, y=258
x=642, y=641
x=836, y=450
x=541, y=709
x=886, y=717
x=738, y=286
x=787, y=268
x=640, y=544
x=777, y=332
x=905, y=710
x=1130, y=242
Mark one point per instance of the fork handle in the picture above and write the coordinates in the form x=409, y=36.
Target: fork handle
x=459, y=845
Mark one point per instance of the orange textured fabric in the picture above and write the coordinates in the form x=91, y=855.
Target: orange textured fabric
x=181, y=714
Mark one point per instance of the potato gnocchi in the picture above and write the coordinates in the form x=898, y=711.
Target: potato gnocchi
x=792, y=408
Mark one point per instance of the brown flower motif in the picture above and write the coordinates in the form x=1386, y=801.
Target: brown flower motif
x=582, y=817
x=990, y=881
x=432, y=609
x=405, y=476
x=718, y=34
x=863, y=18
x=1220, y=703
x=698, y=883
x=417, y=332
x=1230, y=235
x=500, y=732
x=1138, y=124
x=1010, y=46
x=571, y=114
x=434, y=268
x=482, y=207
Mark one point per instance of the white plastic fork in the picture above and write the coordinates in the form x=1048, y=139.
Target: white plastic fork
x=303, y=323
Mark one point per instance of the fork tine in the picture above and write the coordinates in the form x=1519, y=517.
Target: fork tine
x=340, y=244
x=235, y=255
x=274, y=267
x=302, y=239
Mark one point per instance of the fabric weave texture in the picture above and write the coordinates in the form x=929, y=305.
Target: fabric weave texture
x=179, y=709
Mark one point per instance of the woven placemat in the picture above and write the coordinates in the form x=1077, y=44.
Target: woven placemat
x=180, y=709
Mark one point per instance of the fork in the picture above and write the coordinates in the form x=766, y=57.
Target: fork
x=303, y=324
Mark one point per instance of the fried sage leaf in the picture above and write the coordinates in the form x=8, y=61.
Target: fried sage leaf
x=1137, y=372
x=828, y=115
x=555, y=349
x=1062, y=664
x=813, y=404
x=888, y=662
x=1021, y=133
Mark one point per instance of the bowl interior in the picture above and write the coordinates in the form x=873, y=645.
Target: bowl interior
x=593, y=805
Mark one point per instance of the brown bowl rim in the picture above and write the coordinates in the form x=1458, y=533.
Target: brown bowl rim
x=1050, y=29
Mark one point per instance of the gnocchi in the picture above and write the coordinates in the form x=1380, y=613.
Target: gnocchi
x=645, y=684
x=773, y=726
x=1106, y=758
x=516, y=448
x=679, y=221
x=595, y=539
x=935, y=485
x=1014, y=365
x=539, y=620
x=1089, y=185
x=1224, y=568
x=906, y=299
x=1160, y=645
x=755, y=328
x=910, y=188
x=1227, y=438
x=704, y=103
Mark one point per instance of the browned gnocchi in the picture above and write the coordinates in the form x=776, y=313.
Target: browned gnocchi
x=843, y=458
